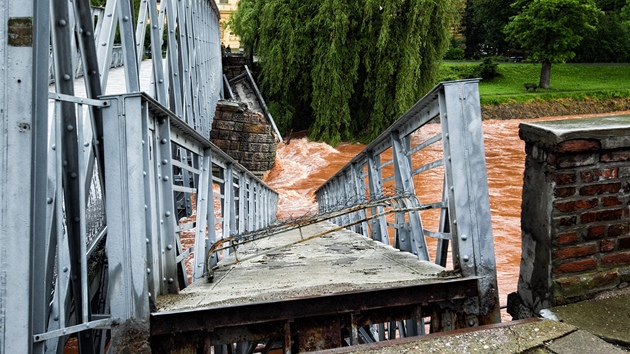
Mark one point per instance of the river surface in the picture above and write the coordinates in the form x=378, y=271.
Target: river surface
x=302, y=166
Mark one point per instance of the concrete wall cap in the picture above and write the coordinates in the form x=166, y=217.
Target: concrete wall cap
x=612, y=132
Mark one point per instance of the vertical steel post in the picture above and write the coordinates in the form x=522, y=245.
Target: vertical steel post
x=126, y=246
x=19, y=129
x=204, y=206
x=471, y=229
x=379, y=225
x=411, y=234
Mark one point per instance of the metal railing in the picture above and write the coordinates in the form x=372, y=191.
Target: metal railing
x=435, y=151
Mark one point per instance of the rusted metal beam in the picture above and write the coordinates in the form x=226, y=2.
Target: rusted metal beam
x=209, y=319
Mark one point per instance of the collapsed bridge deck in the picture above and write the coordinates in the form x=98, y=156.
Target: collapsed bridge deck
x=331, y=287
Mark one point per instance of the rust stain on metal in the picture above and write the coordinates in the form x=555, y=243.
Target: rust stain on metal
x=20, y=32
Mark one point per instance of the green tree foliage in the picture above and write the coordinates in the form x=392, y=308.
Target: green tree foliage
x=550, y=29
x=483, y=22
x=610, y=42
x=344, y=68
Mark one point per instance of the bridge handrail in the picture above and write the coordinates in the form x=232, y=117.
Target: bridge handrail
x=406, y=123
x=464, y=209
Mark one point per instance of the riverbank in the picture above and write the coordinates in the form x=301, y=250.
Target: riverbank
x=556, y=107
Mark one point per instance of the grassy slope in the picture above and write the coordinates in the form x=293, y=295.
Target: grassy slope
x=567, y=80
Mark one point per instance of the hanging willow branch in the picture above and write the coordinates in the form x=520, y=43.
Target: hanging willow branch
x=345, y=68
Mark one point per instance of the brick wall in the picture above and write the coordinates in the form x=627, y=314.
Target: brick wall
x=233, y=65
x=575, y=218
x=245, y=135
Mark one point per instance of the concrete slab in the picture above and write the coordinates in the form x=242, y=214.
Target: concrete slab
x=582, y=342
x=607, y=316
x=526, y=336
x=342, y=261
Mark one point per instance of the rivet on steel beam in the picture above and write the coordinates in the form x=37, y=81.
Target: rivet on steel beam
x=167, y=214
x=455, y=222
x=163, y=141
x=73, y=175
x=61, y=23
x=165, y=178
x=126, y=18
x=165, y=161
x=88, y=33
x=76, y=219
x=170, y=280
x=471, y=323
x=464, y=237
x=65, y=162
x=103, y=44
x=148, y=270
x=66, y=77
x=53, y=147
x=160, y=80
x=49, y=200
x=465, y=258
x=146, y=207
x=147, y=239
x=65, y=269
x=86, y=144
x=144, y=173
x=169, y=247
x=70, y=128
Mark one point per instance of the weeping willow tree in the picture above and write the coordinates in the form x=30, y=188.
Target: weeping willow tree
x=344, y=68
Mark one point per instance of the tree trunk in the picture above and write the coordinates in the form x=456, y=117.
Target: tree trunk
x=545, y=75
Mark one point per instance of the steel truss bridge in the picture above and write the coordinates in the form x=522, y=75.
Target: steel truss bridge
x=99, y=189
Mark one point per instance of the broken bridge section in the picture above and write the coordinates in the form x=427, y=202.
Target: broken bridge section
x=372, y=265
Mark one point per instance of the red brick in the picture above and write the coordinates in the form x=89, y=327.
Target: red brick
x=600, y=188
x=576, y=251
x=606, y=279
x=590, y=176
x=618, y=229
x=566, y=238
x=596, y=232
x=575, y=160
x=603, y=215
x=564, y=192
x=579, y=145
x=611, y=173
x=611, y=201
x=257, y=129
x=616, y=259
x=570, y=221
x=576, y=266
x=607, y=245
x=615, y=156
x=624, y=243
x=567, y=282
x=565, y=178
x=568, y=207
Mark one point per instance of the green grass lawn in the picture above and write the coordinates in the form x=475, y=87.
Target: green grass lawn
x=567, y=80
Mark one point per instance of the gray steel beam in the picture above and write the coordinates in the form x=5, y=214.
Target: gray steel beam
x=127, y=253
x=18, y=125
x=475, y=249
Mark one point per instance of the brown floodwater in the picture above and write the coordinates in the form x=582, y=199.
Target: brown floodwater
x=302, y=166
